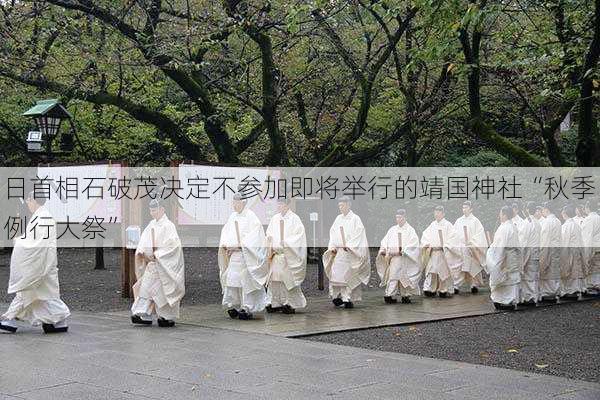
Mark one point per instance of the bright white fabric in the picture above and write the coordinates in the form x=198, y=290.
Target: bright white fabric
x=439, y=262
x=530, y=275
x=347, y=268
x=243, y=267
x=467, y=272
x=399, y=271
x=503, y=262
x=590, y=230
x=550, y=255
x=572, y=274
x=160, y=282
x=34, y=274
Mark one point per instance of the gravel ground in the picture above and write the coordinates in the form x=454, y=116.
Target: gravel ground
x=86, y=289
x=561, y=340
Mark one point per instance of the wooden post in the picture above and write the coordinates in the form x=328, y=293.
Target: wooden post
x=441, y=236
x=281, y=230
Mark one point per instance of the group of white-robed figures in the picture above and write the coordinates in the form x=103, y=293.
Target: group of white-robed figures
x=528, y=260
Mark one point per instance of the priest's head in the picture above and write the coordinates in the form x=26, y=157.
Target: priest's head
x=238, y=202
x=568, y=211
x=591, y=206
x=547, y=209
x=531, y=208
x=283, y=205
x=157, y=210
x=438, y=213
x=467, y=208
x=344, y=204
x=506, y=213
x=33, y=202
x=538, y=212
x=515, y=207
x=401, y=216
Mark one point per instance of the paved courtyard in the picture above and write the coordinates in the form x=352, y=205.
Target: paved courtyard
x=105, y=357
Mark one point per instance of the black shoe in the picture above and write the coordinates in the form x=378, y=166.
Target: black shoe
x=337, y=302
x=570, y=297
x=528, y=303
x=244, y=315
x=474, y=290
x=348, y=304
x=443, y=295
x=287, y=309
x=7, y=328
x=233, y=313
x=136, y=319
x=389, y=300
x=50, y=328
x=270, y=309
x=456, y=291
x=427, y=293
x=504, y=307
x=165, y=323
x=549, y=300
x=406, y=300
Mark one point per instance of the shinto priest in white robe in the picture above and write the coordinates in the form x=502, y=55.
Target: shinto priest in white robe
x=530, y=239
x=400, y=273
x=243, y=271
x=550, y=257
x=288, y=262
x=347, y=270
x=437, y=260
x=503, y=263
x=34, y=274
x=572, y=267
x=160, y=284
x=591, y=241
x=467, y=273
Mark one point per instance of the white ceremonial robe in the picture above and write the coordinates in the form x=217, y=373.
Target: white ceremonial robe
x=34, y=274
x=550, y=250
x=160, y=283
x=503, y=263
x=438, y=261
x=591, y=242
x=572, y=271
x=347, y=270
x=400, y=274
x=288, y=262
x=530, y=274
x=468, y=271
x=243, y=273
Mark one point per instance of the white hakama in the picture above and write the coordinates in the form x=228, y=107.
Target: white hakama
x=244, y=270
x=550, y=256
x=439, y=261
x=160, y=284
x=591, y=240
x=400, y=273
x=503, y=263
x=288, y=263
x=530, y=276
x=572, y=275
x=34, y=275
x=467, y=273
x=347, y=269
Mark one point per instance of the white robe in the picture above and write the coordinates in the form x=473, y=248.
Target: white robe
x=288, y=263
x=244, y=273
x=503, y=263
x=550, y=250
x=400, y=273
x=439, y=262
x=160, y=284
x=530, y=275
x=347, y=270
x=591, y=241
x=467, y=272
x=34, y=274
x=572, y=274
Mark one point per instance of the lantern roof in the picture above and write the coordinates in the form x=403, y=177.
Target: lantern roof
x=50, y=107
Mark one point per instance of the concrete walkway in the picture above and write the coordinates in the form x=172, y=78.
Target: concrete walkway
x=105, y=357
x=320, y=316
